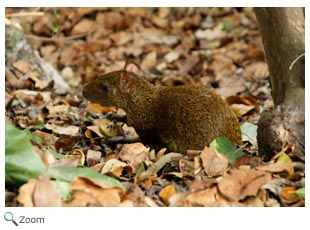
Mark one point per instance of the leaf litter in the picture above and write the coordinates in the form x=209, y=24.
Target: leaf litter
x=213, y=47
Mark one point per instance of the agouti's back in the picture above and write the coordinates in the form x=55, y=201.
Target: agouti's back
x=180, y=117
x=190, y=117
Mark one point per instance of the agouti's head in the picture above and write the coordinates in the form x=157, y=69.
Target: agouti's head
x=112, y=88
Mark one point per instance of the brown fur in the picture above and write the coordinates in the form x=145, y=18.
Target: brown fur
x=180, y=117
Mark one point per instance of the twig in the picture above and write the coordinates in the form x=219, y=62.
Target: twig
x=46, y=39
x=296, y=59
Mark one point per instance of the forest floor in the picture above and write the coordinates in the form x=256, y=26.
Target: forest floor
x=218, y=48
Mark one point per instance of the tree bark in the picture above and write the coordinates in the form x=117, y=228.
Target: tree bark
x=283, y=35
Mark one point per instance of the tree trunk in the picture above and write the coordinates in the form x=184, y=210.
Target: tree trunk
x=283, y=35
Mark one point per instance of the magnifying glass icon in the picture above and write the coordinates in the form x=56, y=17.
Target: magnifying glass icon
x=8, y=216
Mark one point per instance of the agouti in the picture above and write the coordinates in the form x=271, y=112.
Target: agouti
x=179, y=117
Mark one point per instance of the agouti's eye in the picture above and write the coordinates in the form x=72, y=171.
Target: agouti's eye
x=104, y=88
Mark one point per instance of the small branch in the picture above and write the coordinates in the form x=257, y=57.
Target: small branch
x=296, y=59
x=46, y=39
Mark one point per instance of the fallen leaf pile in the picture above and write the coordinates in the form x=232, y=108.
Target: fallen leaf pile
x=63, y=48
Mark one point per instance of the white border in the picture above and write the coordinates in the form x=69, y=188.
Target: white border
x=158, y=218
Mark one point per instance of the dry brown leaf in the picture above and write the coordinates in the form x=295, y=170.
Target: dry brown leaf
x=242, y=105
x=113, y=20
x=64, y=143
x=254, y=51
x=134, y=154
x=98, y=45
x=69, y=131
x=45, y=194
x=246, y=100
x=288, y=195
x=172, y=56
x=41, y=85
x=160, y=22
x=11, y=80
x=225, y=84
x=187, y=167
x=25, y=196
x=126, y=203
x=223, y=66
x=252, y=161
x=134, y=51
x=68, y=54
x=205, y=198
x=166, y=193
x=158, y=165
x=29, y=96
x=150, y=202
x=241, y=110
x=149, y=61
x=213, y=162
x=57, y=108
x=276, y=167
x=93, y=129
x=163, y=12
x=253, y=187
x=256, y=71
x=210, y=34
x=46, y=138
x=81, y=199
x=22, y=65
x=199, y=184
x=121, y=38
x=78, y=155
x=84, y=26
x=108, y=197
x=114, y=166
x=93, y=157
x=47, y=50
x=98, y=167
x=271, y=202
x=177, y=199
x=160, y=153
x=243, y=183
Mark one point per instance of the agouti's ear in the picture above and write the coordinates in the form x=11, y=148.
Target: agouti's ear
x=125, y=82
x=132, y=67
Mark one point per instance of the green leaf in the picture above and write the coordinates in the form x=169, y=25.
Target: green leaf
x=140, y=170
x=286, y=159
x=68, y=174
x=54, y=28
x=64, y=189
x=301, y=193
x=56, y=14
x=249, y=132
x=224, y=146
x=22, y=162
x=33, y=138
x=55, y=154
x=227, y=25
x=26, y=27
x=152, y=154
x=15, y=102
